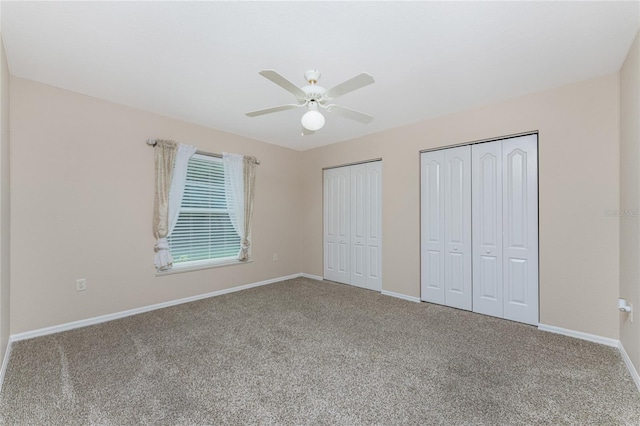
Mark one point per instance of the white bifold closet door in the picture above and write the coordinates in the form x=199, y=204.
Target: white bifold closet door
x=353, y=225
x=505, y=228
x=446, y=227
x=479, y=228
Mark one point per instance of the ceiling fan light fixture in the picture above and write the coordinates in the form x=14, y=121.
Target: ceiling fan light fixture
x=312, y=119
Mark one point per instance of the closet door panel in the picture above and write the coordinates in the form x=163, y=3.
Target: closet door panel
x=520, y=229
x=432, y=268
x=330, y=233
x=337, y=225
x=457, y=233
x=373, y=226
x=343, y=214
x=358, y=224
x=487, y=228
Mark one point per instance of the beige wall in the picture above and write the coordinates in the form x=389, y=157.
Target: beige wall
x=82, y=181
x=4, y=203
x=82, y=201
x=579, y=180
x=630, y=199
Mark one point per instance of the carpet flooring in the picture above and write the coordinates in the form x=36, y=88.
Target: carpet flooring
x=308, y=352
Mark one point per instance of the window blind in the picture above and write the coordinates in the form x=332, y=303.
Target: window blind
x=204, y=230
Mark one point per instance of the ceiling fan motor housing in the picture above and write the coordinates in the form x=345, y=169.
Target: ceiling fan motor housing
x=314, y=93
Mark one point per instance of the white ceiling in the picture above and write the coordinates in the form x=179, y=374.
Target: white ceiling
x=199, y=61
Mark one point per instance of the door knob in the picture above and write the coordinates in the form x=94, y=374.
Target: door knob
x=488, y=252
x=455, y=248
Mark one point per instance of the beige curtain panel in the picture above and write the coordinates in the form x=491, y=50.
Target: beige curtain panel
x=165, y=156
x=239, y=180
x=249, y=175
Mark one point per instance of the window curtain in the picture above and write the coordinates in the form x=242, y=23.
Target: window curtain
x=171, y=160
x=239, y=183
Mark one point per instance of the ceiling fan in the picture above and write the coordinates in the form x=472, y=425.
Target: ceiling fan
x=314, y=97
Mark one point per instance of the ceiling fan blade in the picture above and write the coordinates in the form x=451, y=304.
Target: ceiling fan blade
x=350, y=85
x=307, y=132
x=283, y=82
x=350, y=113
x=270, y=110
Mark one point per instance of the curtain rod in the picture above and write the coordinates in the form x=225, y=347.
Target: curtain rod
x=152, y=142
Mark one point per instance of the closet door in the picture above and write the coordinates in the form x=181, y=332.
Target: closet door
x=337, y=224
x=432, y=248
x=487, y=228
x=446, y=227
x=520, y=228
x=358, y=224
x=457, y=229
x=373, y=226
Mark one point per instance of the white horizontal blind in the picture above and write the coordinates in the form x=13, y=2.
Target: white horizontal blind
x=204, y=230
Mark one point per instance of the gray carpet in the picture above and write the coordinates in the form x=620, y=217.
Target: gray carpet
x=309, y=352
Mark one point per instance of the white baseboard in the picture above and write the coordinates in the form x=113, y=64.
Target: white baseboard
x=400, y=296
x=630, y=366
x=110, y=317
x=597, y=339
x=579, y=335
x=5, y=362
x=313, y=277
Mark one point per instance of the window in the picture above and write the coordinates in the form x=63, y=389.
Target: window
x=204, y=231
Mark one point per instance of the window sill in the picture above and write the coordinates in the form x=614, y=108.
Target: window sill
x=179, y=269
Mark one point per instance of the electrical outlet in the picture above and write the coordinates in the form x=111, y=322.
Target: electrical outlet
x=275, y=257
x=81, y=284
